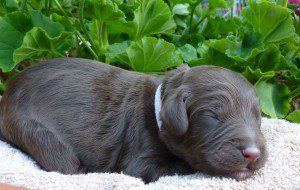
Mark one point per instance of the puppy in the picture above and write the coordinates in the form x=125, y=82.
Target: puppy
x=78, y=115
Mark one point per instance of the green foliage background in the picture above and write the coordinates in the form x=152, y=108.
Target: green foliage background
x=156, y=35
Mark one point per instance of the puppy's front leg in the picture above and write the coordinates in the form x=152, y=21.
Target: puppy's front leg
x=151, y=171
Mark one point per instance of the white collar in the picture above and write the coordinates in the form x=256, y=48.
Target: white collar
x=157, y=106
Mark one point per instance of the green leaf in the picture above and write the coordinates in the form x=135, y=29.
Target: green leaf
x=153, y=17
x=202, y=12
x=254, y=75
x=219, y=27
x=188, y=38
x=150, y=54
x=220, y=4
x=250, y=46
x=292, y=80
x=128, y=8
x=272, y=21
x=187, y=52
x=119, y=27
x=12, y=29
x=181, y=1
x=212, y=53
x=117, y=48
x=36, y=42
x=182, y=22
x=103, y=10
x=294, y=116
x=36, y=4
x=297, y=24
x=53, y=29
x=289, y=50
x=12, y=4
x=63, y=21
x=3, y=10
x=270, y=59
x=295, y=92
x=98, y=35
x=274, y=98
x=221, y=45
x=283, y=32
x=181, y=9
x=8, y=6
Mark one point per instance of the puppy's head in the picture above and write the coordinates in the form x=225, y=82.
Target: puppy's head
x=211, y=118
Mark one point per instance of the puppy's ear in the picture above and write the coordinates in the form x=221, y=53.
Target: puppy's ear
x=174, y=115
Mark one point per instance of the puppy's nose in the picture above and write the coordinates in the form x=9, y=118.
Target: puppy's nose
x=251, y=154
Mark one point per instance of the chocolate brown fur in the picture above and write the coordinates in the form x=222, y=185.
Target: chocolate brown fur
x=77, y=115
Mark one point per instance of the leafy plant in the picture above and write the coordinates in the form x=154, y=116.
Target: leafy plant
x=262, y=44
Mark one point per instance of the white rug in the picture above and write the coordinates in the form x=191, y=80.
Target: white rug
x=282, y=170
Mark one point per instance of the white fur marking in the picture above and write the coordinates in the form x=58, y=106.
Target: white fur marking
x=157, y=106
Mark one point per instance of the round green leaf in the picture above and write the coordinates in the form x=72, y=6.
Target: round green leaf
x=150, y=54
x=53, y=29
x=272, y=21
x=181, y=9
x=35, y=41
x=213, y=53
x=254, y=75
x=103, y=10
x=12, y=29
x=250, y=46
x=220, y=3
x=117, y=48
x=270, y=59
x=153, y=17
x=274, y=98
x=187, y=52
x=219, y=27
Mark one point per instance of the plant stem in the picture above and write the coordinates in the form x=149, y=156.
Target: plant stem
x=204, y=26
x=77, y=32
x=23, y=5
x=284, y=3
x=47, y=7
x=194, y=5
x=295, y=53
x=104, y=35
x=295, y=92
x=199, y=22
x=81, y=19
x=86, y=45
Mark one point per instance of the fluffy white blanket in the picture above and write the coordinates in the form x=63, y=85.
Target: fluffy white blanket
x=282, y=170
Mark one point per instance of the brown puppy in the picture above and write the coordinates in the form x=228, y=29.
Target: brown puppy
x=77, y=115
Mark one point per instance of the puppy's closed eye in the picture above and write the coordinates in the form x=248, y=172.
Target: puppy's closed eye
x=206, y=120
x=209, y=114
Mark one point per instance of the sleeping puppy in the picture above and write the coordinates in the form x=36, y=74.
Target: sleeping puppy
x=78, y=115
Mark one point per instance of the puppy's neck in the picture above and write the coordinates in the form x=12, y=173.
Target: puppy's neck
x=157, y=106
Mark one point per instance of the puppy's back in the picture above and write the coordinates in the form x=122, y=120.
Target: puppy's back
x=73, y=107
